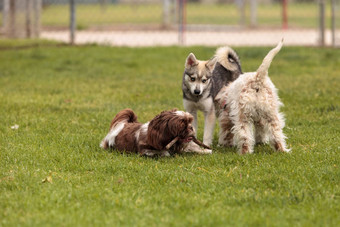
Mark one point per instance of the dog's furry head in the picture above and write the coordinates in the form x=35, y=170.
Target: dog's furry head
x=168, y=125
x=197, y=74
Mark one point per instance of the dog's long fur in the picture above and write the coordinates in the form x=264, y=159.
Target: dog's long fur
x=202, y=80
x=251, y=110
x=127, y=134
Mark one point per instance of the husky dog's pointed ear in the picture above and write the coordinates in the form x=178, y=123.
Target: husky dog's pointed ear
x=191, y=61
x=211, y=64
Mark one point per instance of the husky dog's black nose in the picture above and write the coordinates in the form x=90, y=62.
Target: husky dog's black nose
x=197, y=92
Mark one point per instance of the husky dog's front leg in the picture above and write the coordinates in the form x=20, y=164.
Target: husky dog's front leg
x=209, y=125
x=194, y=123
x=191, y=108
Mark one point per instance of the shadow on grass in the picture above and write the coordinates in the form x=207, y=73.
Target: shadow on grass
x=259, y=149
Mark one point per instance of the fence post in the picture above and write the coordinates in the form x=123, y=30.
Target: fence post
x=181, y=21
x=72, y=21
x=166, y=13
x=11, y=19
x=242, y=7
x=322, y=22
x=36, y=19
x=174, y=12
x=333, y=22
x=284, y=14
x=5, y=13
x=28, y=24
x=103, y=5
x=253, y=13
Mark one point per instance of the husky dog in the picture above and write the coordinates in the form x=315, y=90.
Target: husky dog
x=250, y=110
x=202, y=80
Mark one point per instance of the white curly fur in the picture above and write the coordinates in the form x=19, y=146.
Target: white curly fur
x=251, y=110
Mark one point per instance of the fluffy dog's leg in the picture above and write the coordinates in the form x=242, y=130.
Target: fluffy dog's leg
x=244, y=135
x=225, y=135
x=276, y=136
x=209, y=125
x=261, y=135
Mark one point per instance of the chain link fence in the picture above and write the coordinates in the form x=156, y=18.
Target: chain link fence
x=174, y=22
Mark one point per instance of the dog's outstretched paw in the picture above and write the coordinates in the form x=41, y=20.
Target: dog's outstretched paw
x=207, y=151
x=195, y=148
x=165, y=154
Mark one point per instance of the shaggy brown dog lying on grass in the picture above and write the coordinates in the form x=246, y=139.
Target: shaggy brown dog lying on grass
x=168, y=133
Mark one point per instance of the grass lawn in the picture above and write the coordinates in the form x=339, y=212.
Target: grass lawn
x=299, y=15
x=53, y=173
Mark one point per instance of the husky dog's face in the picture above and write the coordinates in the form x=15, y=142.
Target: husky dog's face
x=197, y=74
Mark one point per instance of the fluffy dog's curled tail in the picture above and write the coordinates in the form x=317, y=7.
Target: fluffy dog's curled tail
x=262, y=71
x=117, y=124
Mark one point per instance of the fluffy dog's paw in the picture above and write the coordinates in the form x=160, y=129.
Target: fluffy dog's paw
x=287, y=150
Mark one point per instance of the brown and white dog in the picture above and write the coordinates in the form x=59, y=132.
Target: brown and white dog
x=168, y=133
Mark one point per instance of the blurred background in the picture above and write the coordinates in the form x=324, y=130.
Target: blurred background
x=174, y=22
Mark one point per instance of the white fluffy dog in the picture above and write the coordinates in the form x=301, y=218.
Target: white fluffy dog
x=250, y=110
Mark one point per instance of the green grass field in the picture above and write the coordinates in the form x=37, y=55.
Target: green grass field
x=93, y=16
x=53, y=173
